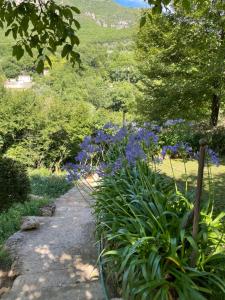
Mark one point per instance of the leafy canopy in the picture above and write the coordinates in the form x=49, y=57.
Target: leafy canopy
x=41, y=27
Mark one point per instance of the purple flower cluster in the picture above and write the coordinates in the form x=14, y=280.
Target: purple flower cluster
x=213, y=157
x=170, y=150
x=182, y=148
x=154, y=127
x=109, y=149
x=112, y=148
x=134, y=152
x=173, y=122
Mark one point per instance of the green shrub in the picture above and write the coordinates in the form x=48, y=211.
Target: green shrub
x=14, y=183
x=10, y=220
x=148, y=247
x=44, y=183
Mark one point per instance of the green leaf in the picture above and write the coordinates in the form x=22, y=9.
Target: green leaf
x=40, y=66
x=66, y=50
x=18, y=51
x=75, y=9
x=143, y=21
x=29, y=51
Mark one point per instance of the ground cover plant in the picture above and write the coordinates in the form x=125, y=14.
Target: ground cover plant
x=47, y=184
x=144, y=219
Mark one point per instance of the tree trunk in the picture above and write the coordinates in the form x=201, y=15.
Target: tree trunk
x=215, y=108
x=124, y=118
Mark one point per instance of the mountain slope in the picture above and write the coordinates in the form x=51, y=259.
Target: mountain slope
x=106, y=12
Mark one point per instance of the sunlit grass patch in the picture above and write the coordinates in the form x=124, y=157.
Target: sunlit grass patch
x=192, y=170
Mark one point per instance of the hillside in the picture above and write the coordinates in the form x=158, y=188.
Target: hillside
x=106, y=13
x=102, y=22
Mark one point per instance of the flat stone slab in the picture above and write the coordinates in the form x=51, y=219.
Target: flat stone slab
x=58, y=261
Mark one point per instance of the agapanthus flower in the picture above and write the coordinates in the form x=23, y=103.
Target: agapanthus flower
x=170, y=150
x=173, y=122
x=86, y=142
x=82, y=155
x=73, y=171
x=213, y=157
x=134, y=152
x=110, y=125
x=102, y=137
x=120, y=135
x=185, y=149
x=101, y=170
x=117, y=165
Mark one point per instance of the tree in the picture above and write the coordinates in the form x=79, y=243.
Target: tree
x=41, y=25
x=182, y=57
x=157, y=6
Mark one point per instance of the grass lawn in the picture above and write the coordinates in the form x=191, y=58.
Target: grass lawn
x=192, y=169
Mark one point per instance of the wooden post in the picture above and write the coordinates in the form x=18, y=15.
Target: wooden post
x=197, y=204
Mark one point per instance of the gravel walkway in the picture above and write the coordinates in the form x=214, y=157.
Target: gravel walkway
x=58, y=261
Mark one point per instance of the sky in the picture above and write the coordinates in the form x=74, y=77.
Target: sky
x=132, y=3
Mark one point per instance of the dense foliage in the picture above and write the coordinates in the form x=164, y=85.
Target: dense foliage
x=147, y=248
x=144, y=221
x=43, y=126
x=14, y=183
x=43, y=26
x=181, y=56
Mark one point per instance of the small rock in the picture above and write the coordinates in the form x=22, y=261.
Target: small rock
x=30, y=223
x=15, y=269
x=13, y=243
x=48, y=210
x=4, y=290
x=3, y=277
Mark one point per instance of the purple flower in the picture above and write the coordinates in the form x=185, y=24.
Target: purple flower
x=86, y=142
x=173, y=122
x=102, y=137
x=102, y=169
x=82, y=155
x=213, y=157
x=185, y=149
x=73, y=171
x=134, y=152
x=117, y=165
x=110, y=125
x=171, y=150
x=144, y=135
x=120, y=135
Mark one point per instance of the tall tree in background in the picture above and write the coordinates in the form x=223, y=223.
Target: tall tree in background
x=182, y=57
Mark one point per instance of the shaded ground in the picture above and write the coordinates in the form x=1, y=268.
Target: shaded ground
x=192, y=169
x=58, y=261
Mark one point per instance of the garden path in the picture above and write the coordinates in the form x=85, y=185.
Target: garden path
x=58, y=261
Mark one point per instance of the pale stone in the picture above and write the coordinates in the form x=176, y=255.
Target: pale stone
x=4, y=290
x=48, y=210
x=30, y=223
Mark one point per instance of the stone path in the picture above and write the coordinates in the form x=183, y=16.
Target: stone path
x=58, y=261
